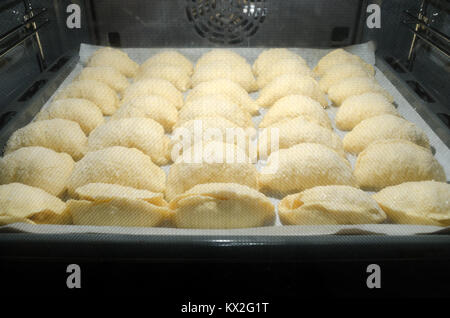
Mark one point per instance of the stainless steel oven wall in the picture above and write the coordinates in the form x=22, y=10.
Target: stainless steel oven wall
x=25, y=60
x=426, y=69
x=204, y=23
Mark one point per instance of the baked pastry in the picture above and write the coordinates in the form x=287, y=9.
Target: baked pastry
x=213, y=106
x=222, y=206
x=103, y=204
x=302, y=167
x=152, y=106
x=380, y=128
x=170, y=72
x=336, y=204
x=171, y=57
x=97, y=92
x=105, y=74
x=229, y=89
x=292, y=106
x=118, y=165
x=220, y=56
x=81, y=111
x=37, y=167
x=208, y=129
x=115, y=58
x=270, y=56
x=353, y=86
x=240, y=73
x=58, y=134
x=25, y=204
x=144, y=134
x=154, y=86
x=391, y=162
x=357, y=108
x=296, y=131
x=339, y=72
x=281, y=67
x=424, y=202
x=289, y=84
x=339, y=56
x=214, y=162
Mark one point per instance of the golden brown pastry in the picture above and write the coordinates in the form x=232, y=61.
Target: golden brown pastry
x=424, y=202
x=104, y=204
x=58, y=134
x=118, y=165
x=292, y=106
x=336, y=204
x=381, y=128
x=37, y=167
x=213, y=166
x=26, y=204
x=357, y=108
x=302, y=167
x=81, y=111
x=391, y=162
x=222, y=206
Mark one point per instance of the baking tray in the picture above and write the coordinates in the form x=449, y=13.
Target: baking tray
x=312, y=56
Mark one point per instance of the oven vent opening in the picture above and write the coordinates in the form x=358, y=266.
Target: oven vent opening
x=6, y=117
x=60, y=63
x=420, y=91
x=226, y=21
x=32, y=90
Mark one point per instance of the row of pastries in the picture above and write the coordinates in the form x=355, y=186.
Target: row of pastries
x=94, y=156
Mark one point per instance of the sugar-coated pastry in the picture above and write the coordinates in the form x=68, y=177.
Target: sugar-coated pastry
x=222, y=206
x=268, y=57
x=105, y=74
x=171, y=57
x=102, y=204
x=292, y=106
x=337, y=204
x=81, y=111
x=220, y=56
x=281, y=67
x=213, y=106
x=289, y=84
x=380, y=128
x=339, y=56
x=302, y=167
x=144, y=134
x=172, y=73
x=37, y=167
x=26, y=204
x=424, y=202
x=152, y=106
x=296, y=131
x=353, y=86
x=357, y=108
x=239, y=73
x=97, y=92
x=118, y=165
x=227, y=88
x=58, y=134
x=114, y=58
x=154, y=86
x=391, y=162
x=214, y=162
x=208, y=129
x=339, y=72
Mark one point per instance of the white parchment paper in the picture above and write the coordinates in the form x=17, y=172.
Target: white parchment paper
x=312, y=56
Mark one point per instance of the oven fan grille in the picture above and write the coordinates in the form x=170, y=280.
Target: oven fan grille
x=226, y=21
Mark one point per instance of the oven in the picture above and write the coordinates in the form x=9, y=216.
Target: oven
x=46, y=44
